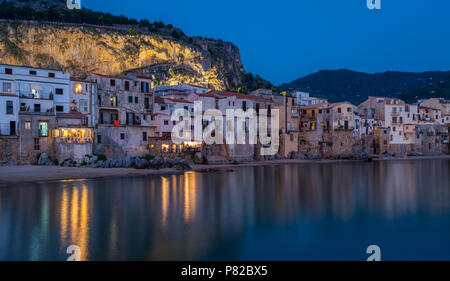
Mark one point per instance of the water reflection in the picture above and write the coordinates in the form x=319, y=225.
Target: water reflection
x=308, y=211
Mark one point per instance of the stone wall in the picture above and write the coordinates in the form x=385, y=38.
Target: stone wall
x=113, y=146
x=9, y=147
x=74, y=151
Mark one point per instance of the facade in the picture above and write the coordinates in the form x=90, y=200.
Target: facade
x=304, y=99
x=412, y=128
x=122, y=112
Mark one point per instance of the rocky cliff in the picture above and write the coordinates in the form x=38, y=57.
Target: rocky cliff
x=81, y=49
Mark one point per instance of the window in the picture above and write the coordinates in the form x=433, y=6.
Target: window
x=51, y=75
x=27, y=125
x=59, y=91
x=83, y=106
x=99, y=138
x=147, y=103
x=113, y=100
x=144, y=87
x=112, y=82
x=130, y=99
x=152, y=117
x=43, y=129
x=37, y=107
x=78, y=88
x=36, y=144
x=59, y=108
x=7, y=87
x=33, y=72
x=99, y=99
x=144, y=136
x=127, y=85
x=349, y=109
x=122, y=136
x=8, y=71
x=9, y=107
x=136, y=99
x=163, y=107
x=166, y=122
x=339, y=110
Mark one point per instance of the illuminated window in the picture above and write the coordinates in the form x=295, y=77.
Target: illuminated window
x=165, y=147
x=27, y=125
x=78, y=88
x=174, y=148
x=43, y=129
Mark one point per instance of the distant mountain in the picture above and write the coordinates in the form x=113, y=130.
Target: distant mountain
x=355, y=87
x=439, y=88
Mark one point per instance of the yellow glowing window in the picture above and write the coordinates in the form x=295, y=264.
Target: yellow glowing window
x=174, y=148
x=165, y=147
x=78, y=88
x=322, y=124
x=152, y=146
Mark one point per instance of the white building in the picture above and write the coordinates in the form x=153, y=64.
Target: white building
x=183, y=88
x=304, y=99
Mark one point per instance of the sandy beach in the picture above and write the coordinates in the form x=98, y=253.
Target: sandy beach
x=26, y=174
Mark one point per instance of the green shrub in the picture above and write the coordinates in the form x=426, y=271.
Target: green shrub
x=101, y=157
x=147, y=157
x=56, y=162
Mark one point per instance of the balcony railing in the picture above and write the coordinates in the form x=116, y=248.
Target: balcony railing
x=41, y=96
x=30, y=110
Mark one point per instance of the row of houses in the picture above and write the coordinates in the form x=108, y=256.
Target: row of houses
x=47, y=111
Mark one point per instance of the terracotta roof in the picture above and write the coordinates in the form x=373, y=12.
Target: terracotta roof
x=205, y=95
x=8, y=95
x=159, y=100
x=140, y=75
x=179, y=101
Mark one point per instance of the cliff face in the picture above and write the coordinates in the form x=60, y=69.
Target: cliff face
x=79, y=50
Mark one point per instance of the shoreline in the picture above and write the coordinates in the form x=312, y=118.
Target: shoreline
x=13, y=175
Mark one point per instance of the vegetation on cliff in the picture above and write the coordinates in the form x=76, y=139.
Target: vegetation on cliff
x=83, y=41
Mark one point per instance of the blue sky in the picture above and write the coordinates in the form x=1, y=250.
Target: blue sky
x=284, y=40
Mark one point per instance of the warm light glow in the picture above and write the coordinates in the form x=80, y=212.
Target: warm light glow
x=73, y=135
x=78, y=88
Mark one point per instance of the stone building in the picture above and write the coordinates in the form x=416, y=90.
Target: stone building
x=121, y=115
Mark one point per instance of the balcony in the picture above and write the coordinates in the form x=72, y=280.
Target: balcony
x=344, y=128
x=37, y=111
x=36, y=96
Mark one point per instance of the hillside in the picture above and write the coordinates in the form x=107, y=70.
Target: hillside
x=43, y=33
x=355, y=87
x=438, y=89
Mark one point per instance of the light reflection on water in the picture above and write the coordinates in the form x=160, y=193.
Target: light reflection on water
x=285, y=212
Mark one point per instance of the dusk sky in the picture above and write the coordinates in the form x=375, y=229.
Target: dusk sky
x=285, y=40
